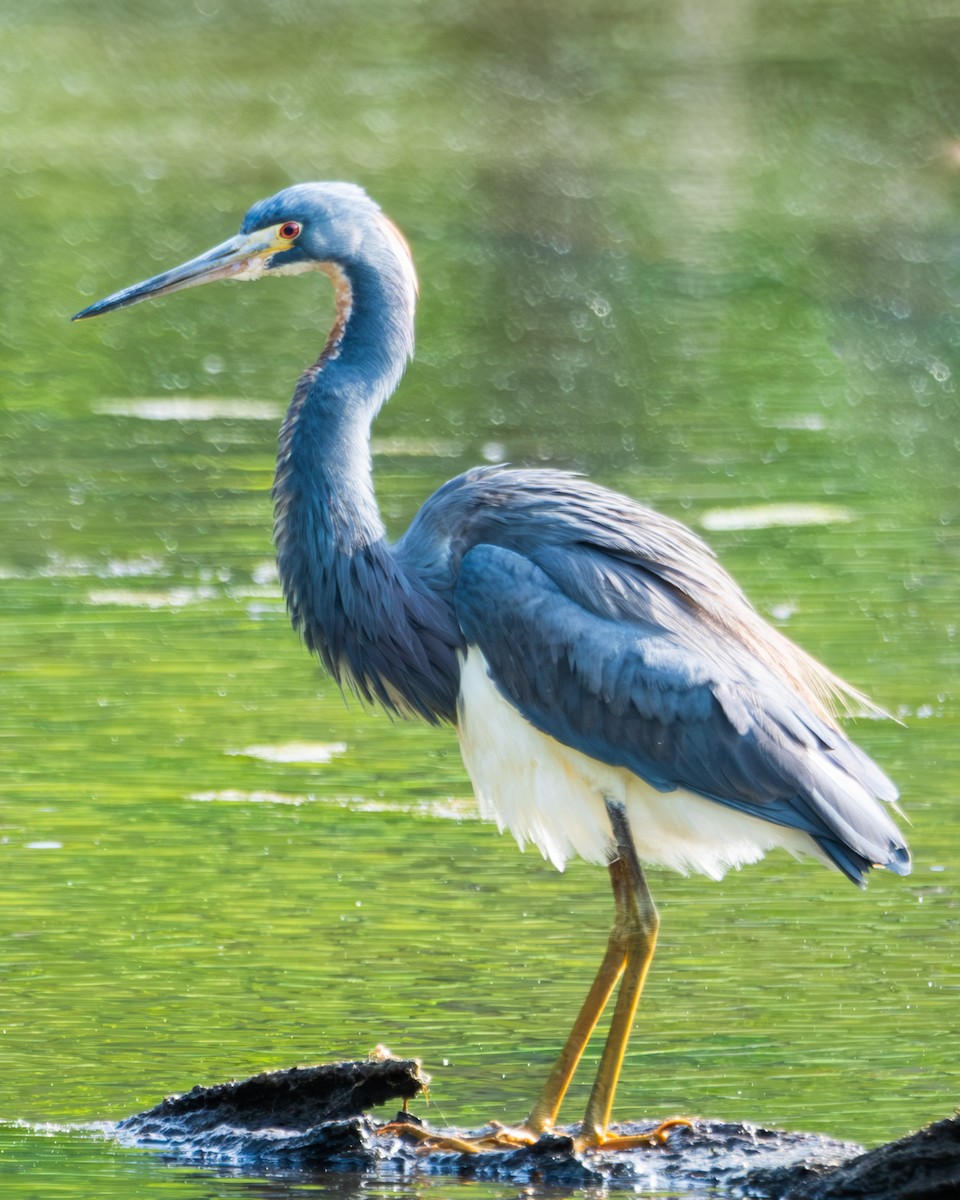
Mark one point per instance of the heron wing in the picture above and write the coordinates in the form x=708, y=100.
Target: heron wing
x=670, y=699
x=617, y=559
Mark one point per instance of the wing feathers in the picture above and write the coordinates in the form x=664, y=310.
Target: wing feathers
x=681, y=707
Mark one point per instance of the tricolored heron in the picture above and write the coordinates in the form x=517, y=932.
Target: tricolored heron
x=615, y=694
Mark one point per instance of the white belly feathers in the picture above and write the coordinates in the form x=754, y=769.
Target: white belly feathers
x=553, y=796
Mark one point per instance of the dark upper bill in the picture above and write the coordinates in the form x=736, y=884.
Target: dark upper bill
x=242, y=257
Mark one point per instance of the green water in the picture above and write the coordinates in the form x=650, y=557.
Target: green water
x=707, y=253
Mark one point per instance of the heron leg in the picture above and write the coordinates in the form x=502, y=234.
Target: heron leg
x=637, y=916
x=627, y=959
x=544, y=1112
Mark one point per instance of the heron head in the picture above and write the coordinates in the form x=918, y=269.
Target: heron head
x=334, y=227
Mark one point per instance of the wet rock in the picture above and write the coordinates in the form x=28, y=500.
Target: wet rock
x=921, y=1166
x=293, y=1101
x=702, y=1156
x=309, y=1120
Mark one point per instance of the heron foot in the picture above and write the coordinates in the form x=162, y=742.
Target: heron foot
x=513, y=1137
x=600, y=1139
x=496, y=1137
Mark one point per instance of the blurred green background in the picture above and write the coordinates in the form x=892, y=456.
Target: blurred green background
x=704, y=251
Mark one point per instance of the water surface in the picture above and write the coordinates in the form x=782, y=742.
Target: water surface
x=706, y=253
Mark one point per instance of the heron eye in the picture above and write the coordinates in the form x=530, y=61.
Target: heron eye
x=289, y=231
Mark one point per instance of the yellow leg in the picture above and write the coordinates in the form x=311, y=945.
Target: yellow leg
x=637, y=915
x=629, y=953
x=544, y=1112
x=547, y=1107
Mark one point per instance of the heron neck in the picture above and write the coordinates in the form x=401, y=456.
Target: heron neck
x=345, y=589
x=323, y=466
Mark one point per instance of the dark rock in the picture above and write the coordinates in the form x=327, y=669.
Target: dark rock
x=310, y=1120
x=921, y=1166
x=295, y=1100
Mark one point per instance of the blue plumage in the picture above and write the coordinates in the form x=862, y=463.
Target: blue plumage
x=623, y=681
x=615, y=693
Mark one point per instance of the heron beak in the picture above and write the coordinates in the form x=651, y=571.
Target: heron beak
x=245, y=256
